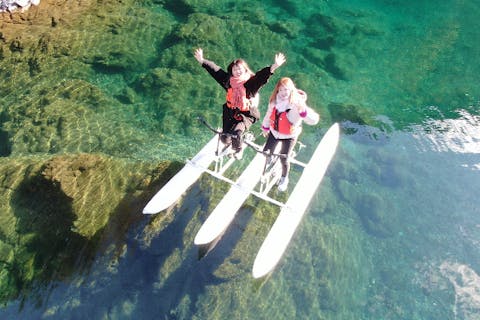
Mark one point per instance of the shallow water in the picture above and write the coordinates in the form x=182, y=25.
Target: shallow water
x=392, y=233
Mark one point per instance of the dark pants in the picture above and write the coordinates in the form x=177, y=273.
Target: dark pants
x=235, y=123
x=286, y=148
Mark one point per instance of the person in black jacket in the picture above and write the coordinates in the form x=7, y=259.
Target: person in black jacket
x=240, y=110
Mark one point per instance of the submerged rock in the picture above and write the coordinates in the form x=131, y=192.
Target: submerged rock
x=55, y=212
x=348, y=112
x=373, y=212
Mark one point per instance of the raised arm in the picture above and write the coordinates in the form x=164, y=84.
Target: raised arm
x=300, y=101
x=199, y=56
x=302, y=112
x=279, y=60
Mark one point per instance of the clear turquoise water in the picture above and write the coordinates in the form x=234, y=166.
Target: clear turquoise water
x=394, y=231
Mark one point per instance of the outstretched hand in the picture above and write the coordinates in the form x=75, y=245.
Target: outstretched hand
x=279, y=60
x=301, y=101
x=199, y=55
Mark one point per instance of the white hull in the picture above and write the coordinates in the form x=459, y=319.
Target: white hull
x=291, y=214
x=180, y=182
x=225, y=211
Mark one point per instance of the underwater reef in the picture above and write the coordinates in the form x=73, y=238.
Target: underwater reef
x=54, y=211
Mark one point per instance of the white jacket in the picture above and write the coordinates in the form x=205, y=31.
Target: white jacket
x=311, y=118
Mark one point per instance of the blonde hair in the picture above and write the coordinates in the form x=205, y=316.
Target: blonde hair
x=288, y=83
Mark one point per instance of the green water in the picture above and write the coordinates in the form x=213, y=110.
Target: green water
x=112, y=93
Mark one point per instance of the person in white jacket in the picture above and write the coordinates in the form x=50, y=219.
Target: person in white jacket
x=287, y=110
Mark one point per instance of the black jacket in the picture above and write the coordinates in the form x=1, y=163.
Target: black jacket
x=252, y=86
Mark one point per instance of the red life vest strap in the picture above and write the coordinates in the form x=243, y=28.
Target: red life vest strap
x=279, y=121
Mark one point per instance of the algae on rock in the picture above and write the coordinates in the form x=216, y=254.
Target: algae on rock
x=55, y=212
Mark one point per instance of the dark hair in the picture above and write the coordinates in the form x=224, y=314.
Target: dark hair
x=239, y=62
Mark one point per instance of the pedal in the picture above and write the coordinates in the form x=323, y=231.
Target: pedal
x=248, y=136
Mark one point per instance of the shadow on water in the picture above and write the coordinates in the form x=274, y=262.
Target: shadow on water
x=128, y=212
x=190, y=276
x=5, y=144
x=47, y=249
x=230, y=235
x=224, y=244
x=204, y=249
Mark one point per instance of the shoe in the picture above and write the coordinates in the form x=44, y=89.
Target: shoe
x=238, y=154
x=283, y=184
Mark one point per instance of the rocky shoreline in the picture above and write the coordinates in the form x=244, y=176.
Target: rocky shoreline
x=13, y=5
